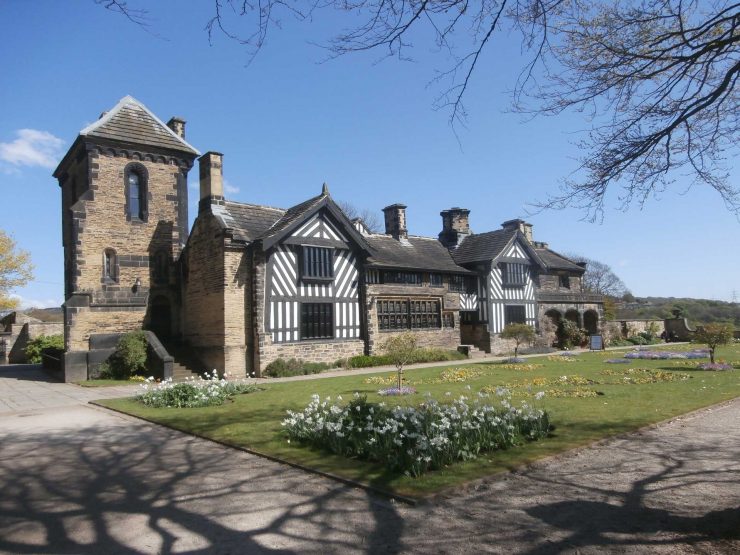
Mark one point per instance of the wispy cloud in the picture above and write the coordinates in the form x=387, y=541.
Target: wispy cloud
x=230, y=189
x=32, y=148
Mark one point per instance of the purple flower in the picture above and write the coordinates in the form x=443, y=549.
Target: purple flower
x=514, y=360
x=617, y=361
x=405, y=390
x=715, y=366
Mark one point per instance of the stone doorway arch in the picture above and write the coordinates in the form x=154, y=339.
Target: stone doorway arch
x=574, y=316
x=591, y=322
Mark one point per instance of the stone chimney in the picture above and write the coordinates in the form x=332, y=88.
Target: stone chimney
x=455, y=226
x=211, y=179
x=177, y=125
x=395, y=221
x=540, y=244
x=520, y=225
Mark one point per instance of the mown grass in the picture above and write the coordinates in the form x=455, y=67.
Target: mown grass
x=107, y=383
x=254, y=420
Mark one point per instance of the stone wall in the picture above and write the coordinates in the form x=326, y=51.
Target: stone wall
x=204, y=286
x=19, y=329
x=476, y=334
x=444, y=338
x=550, y=283
x=235, y=289
x=328, y=351
x=631, y=328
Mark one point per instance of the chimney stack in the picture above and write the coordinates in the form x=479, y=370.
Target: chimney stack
x=520, y=225
x=455, y=226
x=177, y=125
x=395, y=221
x=211, y=179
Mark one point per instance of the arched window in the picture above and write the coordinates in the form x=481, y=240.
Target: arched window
x=136, y=192
x=110, y=265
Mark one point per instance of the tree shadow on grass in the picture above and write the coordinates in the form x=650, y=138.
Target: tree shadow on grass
x=137, y=489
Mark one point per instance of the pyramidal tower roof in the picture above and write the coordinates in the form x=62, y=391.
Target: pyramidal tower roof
x=132, y=122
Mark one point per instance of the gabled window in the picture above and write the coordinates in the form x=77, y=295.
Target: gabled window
x=317, y=263
x=514, y=274
x=317, y=321
x=135, y=184
x=515, y=315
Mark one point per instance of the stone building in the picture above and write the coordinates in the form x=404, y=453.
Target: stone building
x=249, y=284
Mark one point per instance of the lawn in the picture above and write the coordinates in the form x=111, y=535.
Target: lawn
x=596, y=401
x=107, y=383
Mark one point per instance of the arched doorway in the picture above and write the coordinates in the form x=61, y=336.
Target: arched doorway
x=574, y=316
x=591, y=322
x=550, y=326
x=160, y=319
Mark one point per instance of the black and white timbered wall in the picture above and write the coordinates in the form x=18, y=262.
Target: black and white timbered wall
x=313, y=285
x=511, y=290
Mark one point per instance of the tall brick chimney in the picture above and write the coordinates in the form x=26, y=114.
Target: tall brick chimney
x=395, y=221
x=177, y=125
x=211, y=179
x=520, y=225
x=455, y=226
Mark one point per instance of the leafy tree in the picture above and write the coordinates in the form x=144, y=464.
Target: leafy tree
x=35, y=348
x=400, y=350
x=657, y=78
x=600, y=278
x=519, y=333
x=15, y=270
x=714, y=335
x=628, y=297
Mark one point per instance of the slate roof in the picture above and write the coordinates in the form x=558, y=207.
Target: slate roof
x=482, y=246
x=417, y=253
x=131, y=122
x=249, y=221
x=557, y=261
x=292, y=215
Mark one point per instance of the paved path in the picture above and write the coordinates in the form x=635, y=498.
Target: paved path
x=78, y=479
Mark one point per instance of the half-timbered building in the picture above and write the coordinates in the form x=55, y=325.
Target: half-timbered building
x=249, y=284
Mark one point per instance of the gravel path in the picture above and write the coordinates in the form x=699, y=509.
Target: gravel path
x=78, y=479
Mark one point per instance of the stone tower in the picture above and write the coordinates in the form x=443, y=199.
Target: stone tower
x=124, y=224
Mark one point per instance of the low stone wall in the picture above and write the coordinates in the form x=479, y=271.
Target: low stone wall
x=502, y=347
x=633, y=327
x=443, y=338
x=310, y=351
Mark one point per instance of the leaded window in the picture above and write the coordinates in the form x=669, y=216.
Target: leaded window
x=435, y=280
x=317, y=321
x=318, y=263
x=401, y=314
x=404, y=278
x=514, y=274
x=515, y=314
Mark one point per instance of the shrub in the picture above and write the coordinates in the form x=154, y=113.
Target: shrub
x=425, y=354
x=192, y=393
x=637, y=340
x=281, y=368
x=570, y=335
x=129, y=357
x=366, y=361
x=519, y=333
x=36, y=346
x=416, y=439
x=714, y=335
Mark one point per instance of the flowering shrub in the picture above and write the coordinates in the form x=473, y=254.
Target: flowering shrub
x=200, y=392
x=414, y=440
x=715, y=366
x=405, y=390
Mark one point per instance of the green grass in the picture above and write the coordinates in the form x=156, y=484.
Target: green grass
x=254, y=420
x=107, y=383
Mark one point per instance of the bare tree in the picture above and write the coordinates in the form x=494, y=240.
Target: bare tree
x=368, y=217
x=600, y=278
x=658, y=79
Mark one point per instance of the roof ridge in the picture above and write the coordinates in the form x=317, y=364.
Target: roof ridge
x=126, y=101
x=256, y=205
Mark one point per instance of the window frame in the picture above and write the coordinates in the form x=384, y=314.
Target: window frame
x=507, y=273
x=508, y=320
x=328, y=310
x=436, y=280
x=143, y=175
x=324, y=262
x=110, y=266
x=409, y=313
x=564, y=281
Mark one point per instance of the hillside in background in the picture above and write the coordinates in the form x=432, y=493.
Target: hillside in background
x=698, y=311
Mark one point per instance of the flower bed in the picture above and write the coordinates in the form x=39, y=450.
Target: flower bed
x=416, y=439
x=666, y=355
x=715, y=366
x=200, y=392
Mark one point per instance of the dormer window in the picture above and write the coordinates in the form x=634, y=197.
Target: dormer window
x=317, y=263
x=135, y=177
x=513, y=274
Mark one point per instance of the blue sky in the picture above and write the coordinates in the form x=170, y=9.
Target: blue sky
x=287, y=123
